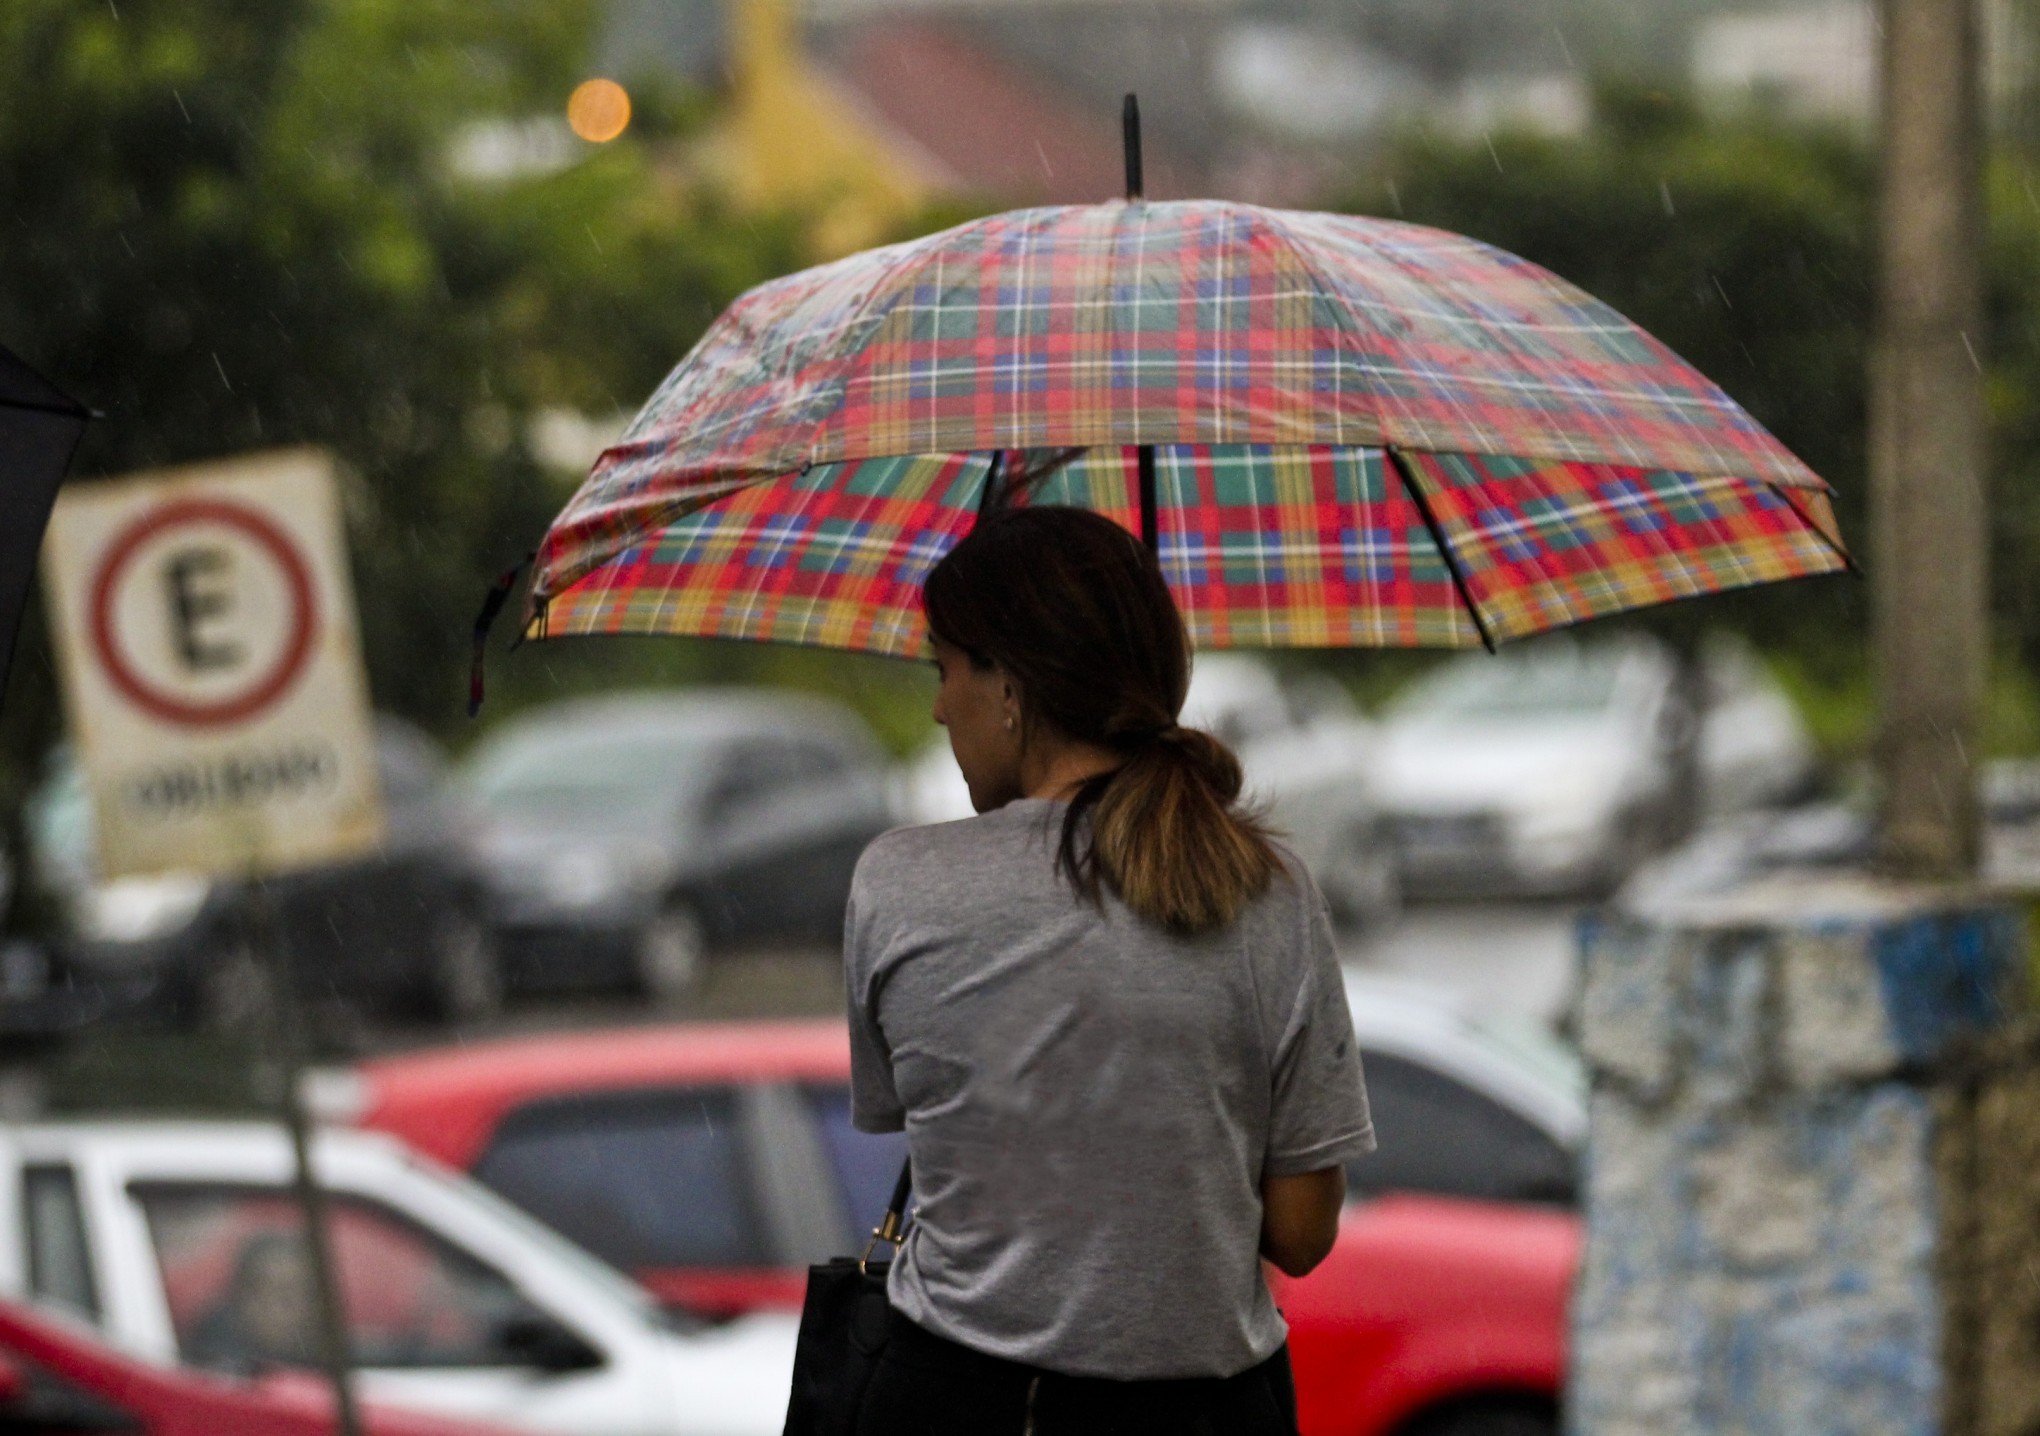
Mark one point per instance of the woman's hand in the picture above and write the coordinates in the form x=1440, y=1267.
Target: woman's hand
x=1300, y=1218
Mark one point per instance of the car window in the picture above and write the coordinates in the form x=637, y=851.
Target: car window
x=809, y=760
x=747, y=775
x=59, y=1256
x=642, y=1179
x=1439, y=1136
x=239, y=1286
x=866, y=1164
x=599, y=776
x=758, y=769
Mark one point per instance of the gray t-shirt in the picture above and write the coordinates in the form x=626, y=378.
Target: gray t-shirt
x=1091, y=1102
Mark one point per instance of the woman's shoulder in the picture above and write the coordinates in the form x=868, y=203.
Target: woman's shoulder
x=901, y=854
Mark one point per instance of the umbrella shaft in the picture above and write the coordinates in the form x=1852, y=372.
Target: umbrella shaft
x=1146, y=459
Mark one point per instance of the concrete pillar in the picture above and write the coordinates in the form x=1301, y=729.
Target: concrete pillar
x=1813, y=1181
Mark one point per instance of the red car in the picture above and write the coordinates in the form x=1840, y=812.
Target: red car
x=716, y=1162
x=56, y=1377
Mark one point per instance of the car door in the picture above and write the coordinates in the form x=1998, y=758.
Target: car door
x=671, y=1184
x=430, y=1325
x=1437, y=1136
x=787, y=817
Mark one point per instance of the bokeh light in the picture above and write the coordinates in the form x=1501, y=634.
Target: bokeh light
x=598, y=110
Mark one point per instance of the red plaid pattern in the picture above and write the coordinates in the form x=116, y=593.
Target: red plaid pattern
x=829, y=418
x=1262, y=546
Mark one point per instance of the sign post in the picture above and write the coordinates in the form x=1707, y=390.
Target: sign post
x=214, y=690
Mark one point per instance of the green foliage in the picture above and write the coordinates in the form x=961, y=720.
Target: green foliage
x=238, y=223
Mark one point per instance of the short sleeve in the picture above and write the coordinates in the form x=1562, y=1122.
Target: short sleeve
x=1319, y=1117
x=874, y=1103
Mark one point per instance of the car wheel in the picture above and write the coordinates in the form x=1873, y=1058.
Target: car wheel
x=672, y=954
x=1486, y=1419
x=464, y=982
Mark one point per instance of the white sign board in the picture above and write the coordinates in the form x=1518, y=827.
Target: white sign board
x=212, y=668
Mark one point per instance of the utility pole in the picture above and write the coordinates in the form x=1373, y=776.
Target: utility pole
x=1927, y=456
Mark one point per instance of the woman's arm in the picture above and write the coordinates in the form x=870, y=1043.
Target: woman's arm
x=1300, y=1217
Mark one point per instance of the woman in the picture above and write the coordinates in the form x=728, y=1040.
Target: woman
x=1108, y=1015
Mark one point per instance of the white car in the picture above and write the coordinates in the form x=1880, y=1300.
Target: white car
x=1466, y=1103
x=1307, y=753
x=179, y=1241
x=1544, y=769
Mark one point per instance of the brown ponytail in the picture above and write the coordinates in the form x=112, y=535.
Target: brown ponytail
x=1075, y=608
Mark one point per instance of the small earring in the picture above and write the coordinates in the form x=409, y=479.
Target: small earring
x=1009, y=723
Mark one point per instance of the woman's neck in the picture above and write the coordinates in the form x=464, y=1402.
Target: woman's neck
x=1060, y=772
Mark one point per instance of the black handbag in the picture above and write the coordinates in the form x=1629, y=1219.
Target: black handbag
x=843, y=1326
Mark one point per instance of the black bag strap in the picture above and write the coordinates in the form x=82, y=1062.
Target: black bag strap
x=892, y=1229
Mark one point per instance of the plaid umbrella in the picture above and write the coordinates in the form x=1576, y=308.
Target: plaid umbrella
x=1335, y=432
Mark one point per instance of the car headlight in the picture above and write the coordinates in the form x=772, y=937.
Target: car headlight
x=138, y=909
x=1570, y=809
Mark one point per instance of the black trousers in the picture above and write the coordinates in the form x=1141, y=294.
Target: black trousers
x=928, y=1386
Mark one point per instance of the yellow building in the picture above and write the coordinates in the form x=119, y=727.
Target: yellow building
x=795, y=138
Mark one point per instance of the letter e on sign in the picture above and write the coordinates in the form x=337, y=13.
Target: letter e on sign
x=212, y=669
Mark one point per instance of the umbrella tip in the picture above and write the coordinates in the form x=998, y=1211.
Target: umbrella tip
x=1129, y=125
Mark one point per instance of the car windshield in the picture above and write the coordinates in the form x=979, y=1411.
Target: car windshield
x=1484, y=690
x=613, y=778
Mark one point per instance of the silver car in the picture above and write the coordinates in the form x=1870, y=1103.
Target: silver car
x=1545, y=769
x=630, y=836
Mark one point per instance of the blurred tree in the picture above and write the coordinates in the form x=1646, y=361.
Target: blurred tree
x=241, y=223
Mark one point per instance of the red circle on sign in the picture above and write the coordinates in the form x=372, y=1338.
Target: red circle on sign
x=297, y=647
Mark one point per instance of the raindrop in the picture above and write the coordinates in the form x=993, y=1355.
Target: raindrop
x=124, y=244
x=1049, y=169
x=180, y=104
x=1664, y=190
x=114, y=8
x=591, y=237
x=1395, y=196
x=1563, y=48
x=1489, y=140
x=1722, y=292
x=223, y=371
x=1970, y=350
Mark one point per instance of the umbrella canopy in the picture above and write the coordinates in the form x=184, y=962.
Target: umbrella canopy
x=1357, y=433
x=39, y=427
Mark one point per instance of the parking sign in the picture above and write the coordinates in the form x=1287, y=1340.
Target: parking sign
x=212, y=668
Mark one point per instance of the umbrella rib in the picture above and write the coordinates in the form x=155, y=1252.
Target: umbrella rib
x=991, y=482
x=1848, y=559
x=1402, y=468
x=73, y=410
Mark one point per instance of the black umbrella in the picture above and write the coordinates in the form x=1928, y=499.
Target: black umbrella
x=39, y=427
